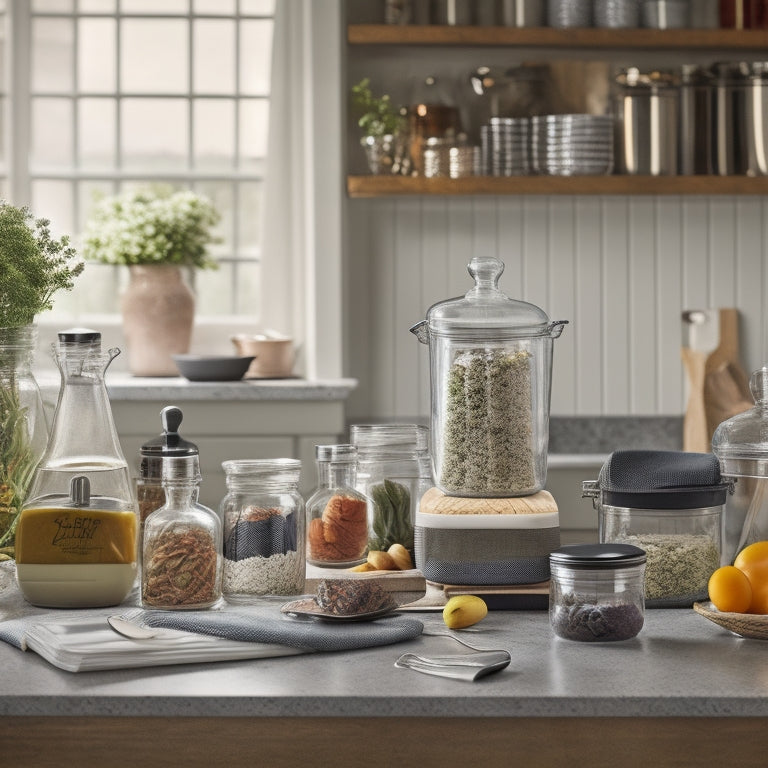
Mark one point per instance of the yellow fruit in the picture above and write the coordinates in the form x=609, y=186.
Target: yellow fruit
x=753, y=561
x=464, y=611
x=381, y=561
x=363, y=568
x=401, y=556
x=730, y=590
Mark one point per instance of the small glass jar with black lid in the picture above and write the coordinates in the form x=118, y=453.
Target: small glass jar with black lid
x=596, y=592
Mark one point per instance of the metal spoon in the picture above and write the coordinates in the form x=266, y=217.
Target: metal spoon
x=130, y=630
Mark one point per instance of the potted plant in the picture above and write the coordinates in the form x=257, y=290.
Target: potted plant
x=384, y=130
x=155, y=232
x=33, y=267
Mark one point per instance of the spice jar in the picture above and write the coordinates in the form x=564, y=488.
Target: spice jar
x=337, y=514
x=149, y=485
x=596, y=592
x=490, y=371
x=670, y=504
x=181, y=567
x=263, y=516
x=393, y=472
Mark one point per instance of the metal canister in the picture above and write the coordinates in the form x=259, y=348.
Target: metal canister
x=647, y=115
x=741, y=112
x=697, y=127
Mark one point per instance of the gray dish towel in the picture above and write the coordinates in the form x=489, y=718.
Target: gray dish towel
x=271, y=627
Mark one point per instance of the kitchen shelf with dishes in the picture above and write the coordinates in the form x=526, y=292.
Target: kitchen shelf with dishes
x=575, y=158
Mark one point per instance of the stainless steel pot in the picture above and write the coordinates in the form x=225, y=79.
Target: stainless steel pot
x=647, y=115
x=741, y=111
x=697, y=127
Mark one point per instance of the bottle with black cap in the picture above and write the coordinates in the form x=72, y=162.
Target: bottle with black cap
x=77, y=536
x=169, y=444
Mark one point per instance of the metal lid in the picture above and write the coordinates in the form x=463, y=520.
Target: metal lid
x=644, y=479
x=79, y=336
x=740, y=71
x=169, y=444
x=583, y=556
x=655, y=80
x=741, y=442
x=484, y=312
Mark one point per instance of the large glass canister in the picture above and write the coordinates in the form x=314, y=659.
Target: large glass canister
x=337, y=514
x=490, y=370
x=77, y=536
x=264, y=541
x=169, y=444
x=741, y=446
x=393, y=472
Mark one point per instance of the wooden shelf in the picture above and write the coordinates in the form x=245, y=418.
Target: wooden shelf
x=393, y=186
x=657, y=39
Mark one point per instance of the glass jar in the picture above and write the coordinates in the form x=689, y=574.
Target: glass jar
x=393, y=473
x=181, y=555
x=77, y=535
x=490, y=370
x=741, y=446
x=149, y=485
x=337, y=514
x=25, y=431
x=670, y=504
x=264, y=541
x=596, y=592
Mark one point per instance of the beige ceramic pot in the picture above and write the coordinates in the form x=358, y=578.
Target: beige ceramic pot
x=275, y=355
x=158, y=312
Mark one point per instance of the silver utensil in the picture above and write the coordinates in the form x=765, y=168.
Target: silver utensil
x=130, y=630
x=458, y=666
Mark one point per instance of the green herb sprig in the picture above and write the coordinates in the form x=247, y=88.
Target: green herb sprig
x=391, y=516
x=379, y=117
x=33, y=265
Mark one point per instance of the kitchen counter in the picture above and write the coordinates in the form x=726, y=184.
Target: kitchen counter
x=684, y=692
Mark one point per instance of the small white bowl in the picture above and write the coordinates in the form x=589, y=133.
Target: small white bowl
x=212, y=367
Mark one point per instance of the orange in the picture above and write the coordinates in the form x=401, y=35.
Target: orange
x=753, y=561
x=730, y=590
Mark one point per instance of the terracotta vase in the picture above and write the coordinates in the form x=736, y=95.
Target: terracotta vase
x=158, y=312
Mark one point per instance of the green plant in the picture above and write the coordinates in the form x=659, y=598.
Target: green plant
x=33, y=266
x=378, y=116
x=153, y=225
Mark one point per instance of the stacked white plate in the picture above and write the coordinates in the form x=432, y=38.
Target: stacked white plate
x=572, y=145
x=505, y=146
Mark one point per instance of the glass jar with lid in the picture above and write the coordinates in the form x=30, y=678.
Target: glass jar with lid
x=149, y=486
x=741, y=446
x=490, y=371
x=337, y=514
x=263, y=516
x=596, y=592
x=393, y=473
x=181, y=564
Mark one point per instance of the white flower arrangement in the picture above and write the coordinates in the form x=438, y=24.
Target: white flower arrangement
x=151, y=226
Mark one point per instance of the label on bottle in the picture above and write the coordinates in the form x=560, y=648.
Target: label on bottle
x=74, y=536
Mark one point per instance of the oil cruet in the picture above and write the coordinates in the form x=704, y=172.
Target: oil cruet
x=77, y=537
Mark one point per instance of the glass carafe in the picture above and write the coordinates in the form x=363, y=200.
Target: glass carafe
x=76, y=548
x=741, y=445
x=490, y=371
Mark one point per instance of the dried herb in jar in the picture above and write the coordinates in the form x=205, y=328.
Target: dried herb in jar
x=586, y=621
x=391, y=516
x=261, y=533
x=340, y=534
x=180, y=568
x=487, y=443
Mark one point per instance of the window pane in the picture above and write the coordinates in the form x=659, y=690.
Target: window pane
x=97, y=133
x=258, y=7
x=95, y=292
x=214, y=56
x=52, y=126
x=52, y=55
x=154, y=56
x=249, y=217
x=97, y=6
x=221, y=194
x=54, y=200
x=88, y=192
x=214, y=291
x=52, y=6
x=155, y=134
x=155, y=6
x=214, y=142
x=255, y=57
x=247, y=290
x=254, y=129
x=96, y=59
x=214, y=7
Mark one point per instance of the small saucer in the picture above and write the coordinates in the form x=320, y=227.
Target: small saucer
x=308, y=607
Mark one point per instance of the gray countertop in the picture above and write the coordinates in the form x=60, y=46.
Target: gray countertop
x=680, y=665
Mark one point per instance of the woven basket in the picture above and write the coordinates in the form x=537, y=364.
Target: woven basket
x=744, y=624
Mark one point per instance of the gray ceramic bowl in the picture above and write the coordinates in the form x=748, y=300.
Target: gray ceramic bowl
x=212, y=367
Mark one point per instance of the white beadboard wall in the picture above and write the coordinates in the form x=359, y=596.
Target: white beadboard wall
x=620, y=269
